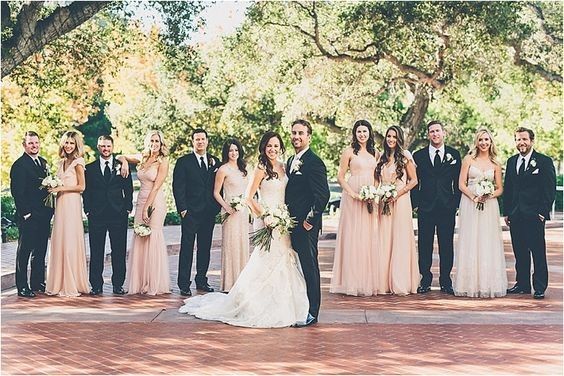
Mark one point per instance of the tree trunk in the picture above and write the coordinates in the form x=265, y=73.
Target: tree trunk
x=30, y=34
x=412, y=120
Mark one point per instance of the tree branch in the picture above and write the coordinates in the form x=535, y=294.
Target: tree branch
x=534, y=68
x=31, y=34
x=555, y=39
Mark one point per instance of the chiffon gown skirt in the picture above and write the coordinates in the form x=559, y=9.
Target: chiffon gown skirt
x=399, y=269
x=234, y=232
x=148, y=271
x=355, y=268
x=270, y=291
x=66, y=268
x=480, y=261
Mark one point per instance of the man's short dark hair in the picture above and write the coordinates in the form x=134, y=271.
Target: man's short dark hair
x=529, y=131
x=434, y=122
x=305, y=123
x=106, y=137
x=29, y=134
x=199, y=130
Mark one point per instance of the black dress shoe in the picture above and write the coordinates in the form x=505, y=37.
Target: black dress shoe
x=447, y=289
x=26, y=293
x=309, y=321
x=538, y=295
x=185, y=292
x=119, y=291
x=40, y=288
x=206, y=288
x=96, y=292
x=518, y=290
x=423, y=289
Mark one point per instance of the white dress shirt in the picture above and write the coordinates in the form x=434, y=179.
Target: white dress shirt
x=433, y=151
x=527, y=159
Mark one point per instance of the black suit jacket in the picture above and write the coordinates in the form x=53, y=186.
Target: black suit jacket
x=307, y=189
x=193, y=188
x=532, y=192
x=25, y=184
x=436, y=187
x=98, y=196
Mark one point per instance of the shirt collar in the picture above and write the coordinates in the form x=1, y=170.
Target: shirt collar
x=103, y=161
x=299, y=155
x=527, y=157
x=433, y=150
x=198, y=156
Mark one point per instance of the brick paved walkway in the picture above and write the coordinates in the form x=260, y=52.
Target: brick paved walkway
x=418, y=334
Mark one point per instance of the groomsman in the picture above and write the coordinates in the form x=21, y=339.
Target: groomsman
x=108, y=200
x=529, y=191
x=33, y=217
x=437, y=197
x=307, y=194
x=192, y=186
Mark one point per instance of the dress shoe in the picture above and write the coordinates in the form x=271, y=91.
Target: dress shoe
x=96, y=292
x=447, y=289
x=186, y=292
x=40, y=288
x=119, y=291
x=206, y=288
x=309, y=321
x=423, y=289
x=26, y=293
x=518, y=290
x=538, y=295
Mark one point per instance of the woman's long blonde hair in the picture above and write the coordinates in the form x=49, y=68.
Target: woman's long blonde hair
x=163, y=152
x=493, y=149
x=79, y=145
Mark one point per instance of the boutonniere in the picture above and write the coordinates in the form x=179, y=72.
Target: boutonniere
x=533, y=163
x=296, y=165
x=450, y=159
x=211, y=162
x=117, y=168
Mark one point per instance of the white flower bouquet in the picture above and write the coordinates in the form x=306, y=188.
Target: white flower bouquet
x=368, y=193
x=143, y=229
x=386, y=192
x=51, y=181
x=484, y=187
x=277, y=218
x=238, y=203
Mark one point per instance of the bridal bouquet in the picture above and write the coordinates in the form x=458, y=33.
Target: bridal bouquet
x=277, y=218
x=484, y=187
x=238, y=203
x=51, y=181
x=385, y=192
x=368, y=193
x=143, y=229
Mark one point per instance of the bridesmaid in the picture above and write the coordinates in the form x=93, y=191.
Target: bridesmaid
x=148, y=270
x=66, y=268
x=480, y=261
x=399, y=270
x=355, y=269
x=232, y=178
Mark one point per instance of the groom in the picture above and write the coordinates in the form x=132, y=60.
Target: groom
x=307, y=194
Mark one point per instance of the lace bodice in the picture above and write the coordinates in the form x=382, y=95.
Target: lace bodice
x=272, y=191
x=475, y=175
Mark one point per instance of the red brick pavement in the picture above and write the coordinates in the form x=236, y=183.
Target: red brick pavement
x=418, y=334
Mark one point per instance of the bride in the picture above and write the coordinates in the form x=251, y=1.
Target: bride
x=270, y=291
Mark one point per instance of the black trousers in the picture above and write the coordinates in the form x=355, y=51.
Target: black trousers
x=443, y=221
x=32, y=243
x=305, y=244
x=204, y=233
x=528, y=238
x=116, y=225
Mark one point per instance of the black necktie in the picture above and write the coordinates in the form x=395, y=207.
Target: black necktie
x=202, y=164
x=521, y=167
x=437, y=160
x=37, y=162
x=107, y=171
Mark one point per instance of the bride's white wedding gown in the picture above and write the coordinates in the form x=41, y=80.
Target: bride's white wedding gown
x=270, y=291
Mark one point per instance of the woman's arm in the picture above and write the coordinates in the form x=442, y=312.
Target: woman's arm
x=343, y=168
x=162, y=173
x=463, y=178
x=80, y=182
x=411, y=178
x=498, y=182
x=219, y=180
x=256, y=208
x=125, y=160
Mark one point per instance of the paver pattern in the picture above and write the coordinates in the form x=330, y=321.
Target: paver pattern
x=432, y=333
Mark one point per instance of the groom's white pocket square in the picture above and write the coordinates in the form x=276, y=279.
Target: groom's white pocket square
x=535, y=172
x=298, y=173
x=453, y=162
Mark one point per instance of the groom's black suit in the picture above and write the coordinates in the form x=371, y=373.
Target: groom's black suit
x=192, y=187
x=525, y=196
x=25, y=182
x=107, y=204
x=437, y=196
x=308, y=192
